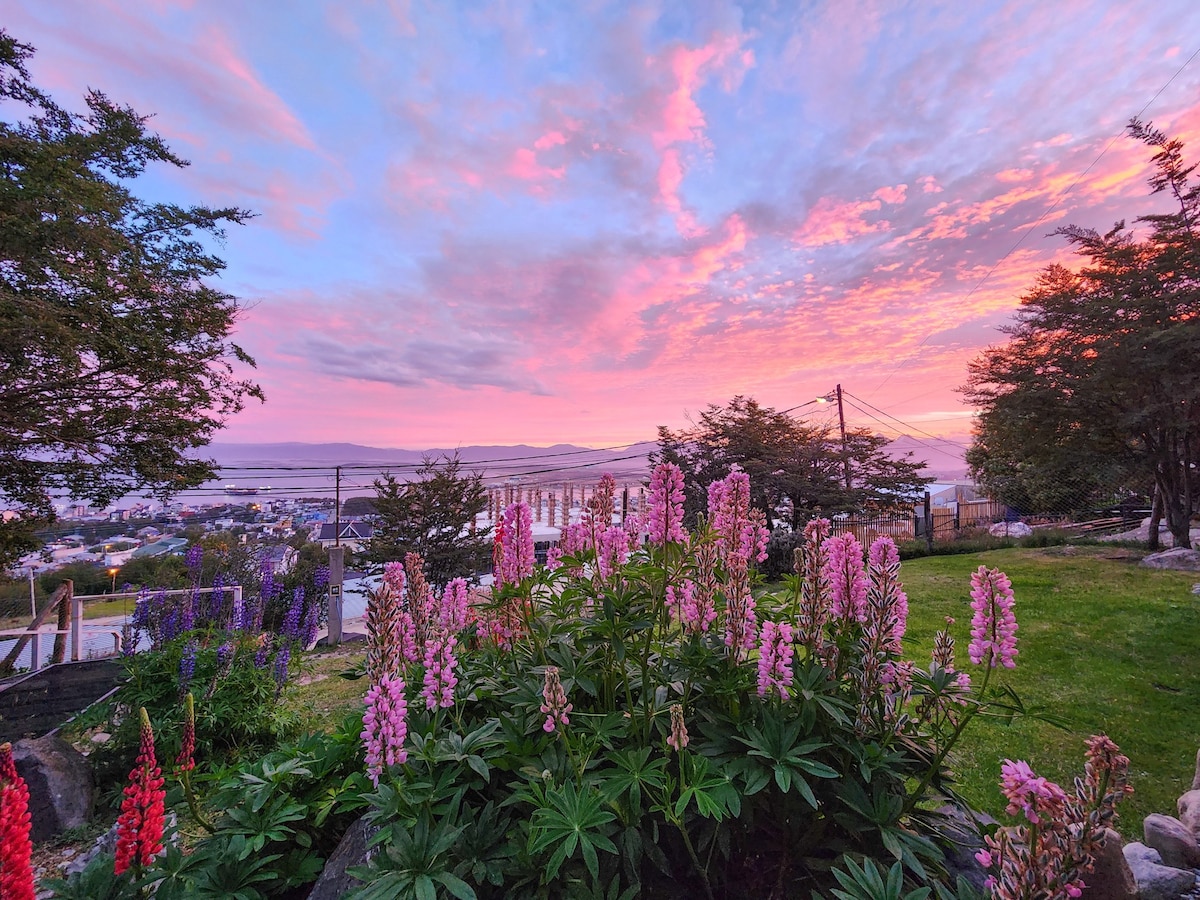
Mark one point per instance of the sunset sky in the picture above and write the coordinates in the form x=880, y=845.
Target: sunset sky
x=575, y=221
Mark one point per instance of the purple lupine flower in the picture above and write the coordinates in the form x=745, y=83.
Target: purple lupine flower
x=141, y=609
x=225, y=655
x=129, y=637
x=193, y=560
x=269, y=587
x=187, y=667
x=216, y=600
x=261, y=655
x=187, y=611
x=237, y=617
x=312, y=621
x=283, y=657
x=291, y=620
x=320, y=577
x=169, y=629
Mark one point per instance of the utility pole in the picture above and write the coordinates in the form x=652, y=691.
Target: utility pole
x=337, y=493
x=842, y=428
x=336, y=566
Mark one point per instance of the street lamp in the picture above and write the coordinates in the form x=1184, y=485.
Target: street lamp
x=113, y=572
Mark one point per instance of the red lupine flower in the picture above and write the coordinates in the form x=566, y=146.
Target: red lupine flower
x=140, y=825
x=16, y=869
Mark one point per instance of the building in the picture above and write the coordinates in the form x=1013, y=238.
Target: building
x=351, y=534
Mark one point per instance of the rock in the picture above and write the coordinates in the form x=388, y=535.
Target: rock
x=1010, y=529
x=961, y=837
x=1196, y=588
x=101, y=737
x=1189, y=812
x=61, y=788
x=1173, y=840
x=1154, y=880
x=352, y=851
x=1175, y=558
x=1112, y=878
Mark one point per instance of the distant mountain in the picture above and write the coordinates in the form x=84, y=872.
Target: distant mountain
x=494, y=458
x=943, y=456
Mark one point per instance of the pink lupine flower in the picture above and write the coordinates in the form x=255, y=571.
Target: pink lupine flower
x=847, y=580
x=994, y=624
x=692, y=609
x=574, y=539
x=393, y=577
x=1029, y=793
x=554, y=558
x=438, y=687
x=775, y=659
x=452, y=614
x=555, y=706
x=678, y=738
x=385, y=725
x=634, y=525
x=666, y=504
x=729, y=512
x=517, y=563
x=384, y=621
x=611, y=552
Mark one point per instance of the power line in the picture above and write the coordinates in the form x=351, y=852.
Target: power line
x=1020, y=240
x=906, y=425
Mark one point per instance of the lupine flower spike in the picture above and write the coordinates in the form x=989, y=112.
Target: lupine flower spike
x=678, y=738
x=140, y=825
x=666, y=504
x=16, y=850
x=775, y=659
x=994, y=625
x=555, y=706
x=385, y=725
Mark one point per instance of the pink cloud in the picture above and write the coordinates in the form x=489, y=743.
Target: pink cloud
x=892, y=195
x=837, y=222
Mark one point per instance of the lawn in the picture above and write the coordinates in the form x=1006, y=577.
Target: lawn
x=1110, y=645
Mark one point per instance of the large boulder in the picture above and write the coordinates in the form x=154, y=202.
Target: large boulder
x=1111, y=879
x=1189, y=812
x=352, y=851
x=1173, y=840
x=61, y=788
x=1010, y=529
x=1175, y=558
x=1154, y=880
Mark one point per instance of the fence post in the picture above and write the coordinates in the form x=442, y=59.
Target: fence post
x=76, y=628
x=336, y=567
x=928, y=524
x=64, y=621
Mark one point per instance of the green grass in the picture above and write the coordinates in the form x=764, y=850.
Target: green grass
x=1108, y=644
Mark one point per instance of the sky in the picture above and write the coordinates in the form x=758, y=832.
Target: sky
x=541, y=222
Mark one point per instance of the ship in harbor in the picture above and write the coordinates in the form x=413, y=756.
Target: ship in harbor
x=234, y=491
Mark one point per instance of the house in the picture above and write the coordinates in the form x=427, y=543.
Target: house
x=349, y=534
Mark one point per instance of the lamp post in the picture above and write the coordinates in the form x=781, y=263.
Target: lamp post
x=113, y=573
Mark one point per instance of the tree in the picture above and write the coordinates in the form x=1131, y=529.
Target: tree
x=115, y=362
x=432, y=515
x=792, y=465
x=1098, y=389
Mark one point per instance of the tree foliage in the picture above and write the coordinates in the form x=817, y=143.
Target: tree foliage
x=792, y=465
x=432, y=515
x=1098, y=390
x=115, y=361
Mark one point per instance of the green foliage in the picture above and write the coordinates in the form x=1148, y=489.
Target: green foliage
x=1097, y=394
x=97, y=881
x=115, y=363
x=430, y=516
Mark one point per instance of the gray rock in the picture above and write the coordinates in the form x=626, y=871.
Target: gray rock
x=1010, y=529
x=61, y=788
x=1154, y=880
x=1112, y=878
x=1173, y=840
x=1196, y=588
x=960, y=839
x=352, y=851
x=1189, y=812
x=1175, y=558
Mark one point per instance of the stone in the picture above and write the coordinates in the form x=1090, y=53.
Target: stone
x=1173, y=840
x=61, y=787
x=1112, y=878
x=1010, y=529
x=1154, y=880
x=1175, y=558
x=101, y=737
x=1189, y=812
x=1196, y=777
x=960, y=840
x=1196, y=588
x=351, y=851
